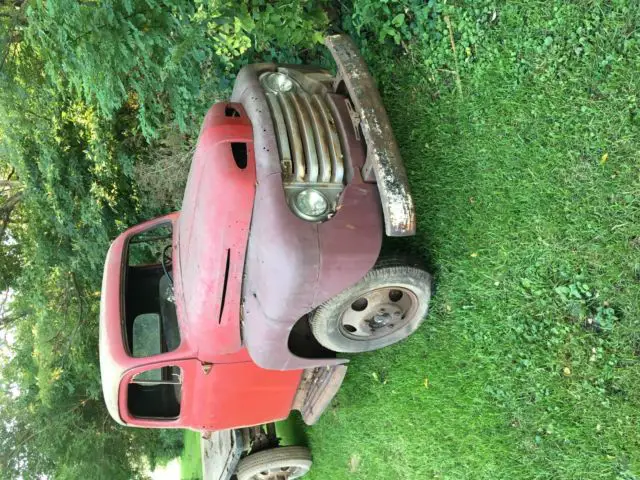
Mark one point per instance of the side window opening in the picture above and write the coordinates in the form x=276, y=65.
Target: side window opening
x=156, y=393
x=151, y=322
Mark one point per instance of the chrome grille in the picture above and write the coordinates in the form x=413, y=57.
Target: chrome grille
x=308, y=143
x=307, y=138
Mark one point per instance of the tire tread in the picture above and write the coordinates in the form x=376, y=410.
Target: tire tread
x=251, y=464
x=386, y=269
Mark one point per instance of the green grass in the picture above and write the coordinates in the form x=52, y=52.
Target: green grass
x=527, y=185
x=291, y=431
x=190, y=460
x=528, y=195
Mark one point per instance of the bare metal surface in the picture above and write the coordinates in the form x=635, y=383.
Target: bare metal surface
x=378, y=313
x=311, y=136
x=383, y=155
x=355, y=118
x=317, y=388
x=294, y=137
x=320, y=140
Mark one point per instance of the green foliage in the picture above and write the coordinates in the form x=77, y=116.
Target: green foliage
x=10, y=265
x=281, y=29
x=191, y=460
x=425, y=31
x=89, y=93
x=526, y=189
x=166, y=59
x=519, y=127
x=167, y=445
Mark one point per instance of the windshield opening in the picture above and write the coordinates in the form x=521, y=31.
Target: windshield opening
x=151, y=322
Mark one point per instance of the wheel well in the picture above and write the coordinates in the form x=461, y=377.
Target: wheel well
x=303, y=343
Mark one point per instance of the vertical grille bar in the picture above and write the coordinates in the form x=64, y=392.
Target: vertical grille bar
x=321, y=140
x=306, y=132
x=295, y=139
x=333, y=142
x=282, y=138
x=307, y=138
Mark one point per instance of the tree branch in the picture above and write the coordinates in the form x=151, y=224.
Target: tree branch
x=11, y=203
x=9, y=183
x=5, y=212
x=8, y=320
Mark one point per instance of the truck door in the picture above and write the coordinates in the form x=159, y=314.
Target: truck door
x=233, y=395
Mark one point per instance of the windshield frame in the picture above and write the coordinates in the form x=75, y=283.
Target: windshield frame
x=127, y=318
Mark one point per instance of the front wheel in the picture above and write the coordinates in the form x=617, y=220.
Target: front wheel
x=386, y=306
x=282, y=463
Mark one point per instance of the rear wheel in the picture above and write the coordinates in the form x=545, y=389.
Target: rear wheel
x=282, y=463
x=386, y=306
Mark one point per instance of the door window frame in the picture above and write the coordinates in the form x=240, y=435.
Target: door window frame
x=187, y=367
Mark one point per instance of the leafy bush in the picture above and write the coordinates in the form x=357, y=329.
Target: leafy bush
x=167, y=59
x=447, y=35
x=91, y=94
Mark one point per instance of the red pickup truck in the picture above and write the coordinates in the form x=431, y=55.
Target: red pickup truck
x=231, y=313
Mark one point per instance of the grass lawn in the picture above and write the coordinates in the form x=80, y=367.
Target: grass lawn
x=526, y=175
x=528, y=193
x=191, y=461
x=291, y=431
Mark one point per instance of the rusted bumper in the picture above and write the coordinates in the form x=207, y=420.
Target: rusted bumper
x=317, y=388
x=383, y=162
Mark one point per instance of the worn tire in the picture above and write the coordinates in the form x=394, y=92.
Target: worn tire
x=326, y=321
x=252, y=467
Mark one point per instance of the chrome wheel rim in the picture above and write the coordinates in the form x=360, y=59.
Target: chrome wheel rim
x=378, y=313
x=281, y=473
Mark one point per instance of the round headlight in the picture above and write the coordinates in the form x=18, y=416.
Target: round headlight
x=311, y=204
x=278, y=82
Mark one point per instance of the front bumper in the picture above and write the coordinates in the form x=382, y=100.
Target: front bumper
x=383, y=161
